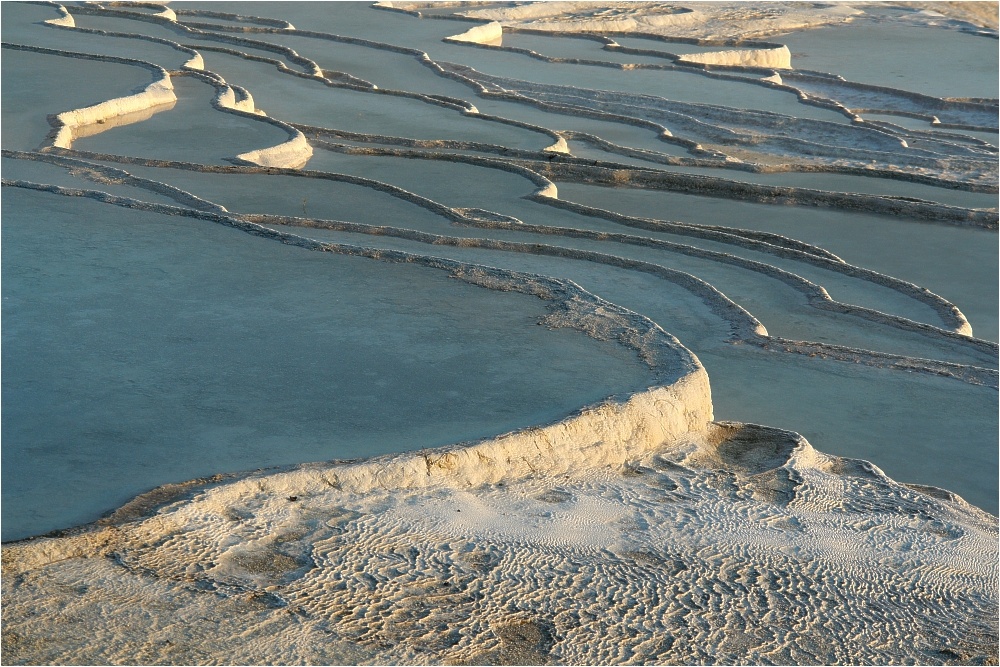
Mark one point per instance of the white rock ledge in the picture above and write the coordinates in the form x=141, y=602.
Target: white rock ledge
x=292, y=154
x=780, y=58
x=156, y=94
x=489, y=33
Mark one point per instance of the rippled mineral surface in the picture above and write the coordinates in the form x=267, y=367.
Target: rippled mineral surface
x=499, y=333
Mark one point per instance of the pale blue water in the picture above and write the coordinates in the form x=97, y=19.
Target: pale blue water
x=141, y=349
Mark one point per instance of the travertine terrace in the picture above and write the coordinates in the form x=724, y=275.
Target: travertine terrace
x=499, y=333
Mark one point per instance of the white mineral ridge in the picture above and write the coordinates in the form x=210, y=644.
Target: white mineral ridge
x=226, y=98
x=166, y=13
x=488, y=33
x=157, y=94
x=291, y=154
x=779, y=58
x=65, y=18
x=560, y=146
x=196, y=62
